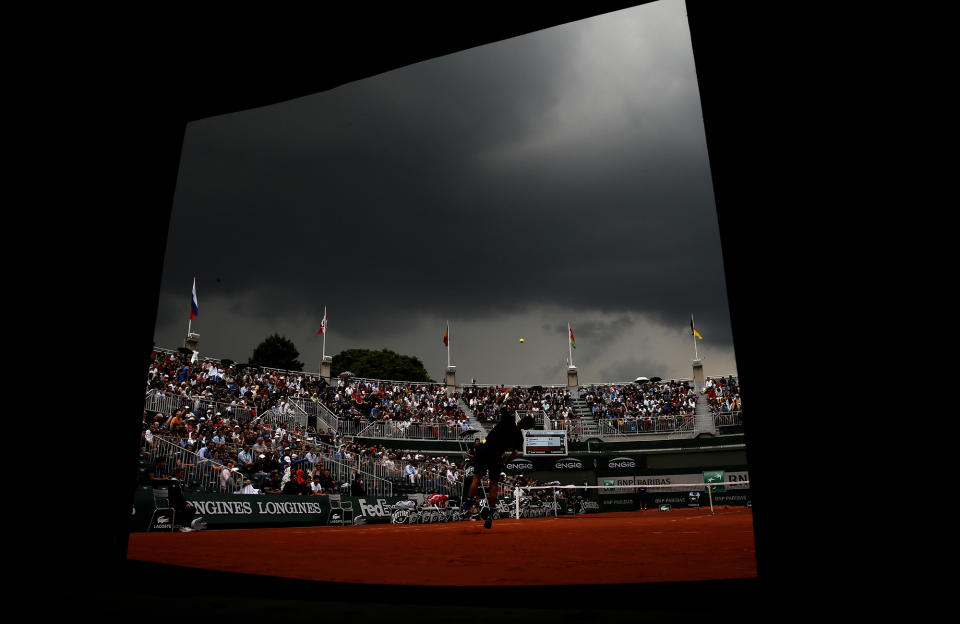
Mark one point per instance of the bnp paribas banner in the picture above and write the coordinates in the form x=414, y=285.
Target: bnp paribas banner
x=239, y=510
x=678, y=490
x=736, y=480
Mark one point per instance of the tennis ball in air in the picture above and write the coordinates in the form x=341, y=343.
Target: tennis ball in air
x=521, y=340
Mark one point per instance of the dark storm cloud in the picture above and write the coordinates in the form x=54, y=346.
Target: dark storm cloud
x=564, y=168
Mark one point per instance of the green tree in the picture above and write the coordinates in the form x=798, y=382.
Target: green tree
x=383, y=364
x=277, y=351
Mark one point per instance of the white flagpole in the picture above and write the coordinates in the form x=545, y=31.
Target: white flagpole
x=696, y=353
x=570, y=344
x=448, y=344
x=323, y=352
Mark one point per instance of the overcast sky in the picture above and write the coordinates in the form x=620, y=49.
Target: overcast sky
x=557, y=177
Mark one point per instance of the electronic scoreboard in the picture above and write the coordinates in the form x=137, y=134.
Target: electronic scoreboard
x=544, y=442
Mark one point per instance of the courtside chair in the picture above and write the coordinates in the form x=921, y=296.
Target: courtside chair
x=161, y=504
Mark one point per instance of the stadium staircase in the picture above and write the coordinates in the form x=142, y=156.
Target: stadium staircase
x=590, y=427
x=474, y=422
x=704, y=422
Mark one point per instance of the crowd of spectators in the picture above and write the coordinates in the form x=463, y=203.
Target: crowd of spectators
x=641, y=407
x=247, y=391
x=216, y=433
x=229, y=448
x=723, y=395
x=244, y=390
x=221, y=453
x=540, y=401
x=368, y=401
x=240, y=391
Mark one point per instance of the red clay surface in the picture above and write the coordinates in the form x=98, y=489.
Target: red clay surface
x=624, y=547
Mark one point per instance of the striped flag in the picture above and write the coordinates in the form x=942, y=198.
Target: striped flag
x=694, y=329
x=573, y=343
x=194, y=306
x=323, y=323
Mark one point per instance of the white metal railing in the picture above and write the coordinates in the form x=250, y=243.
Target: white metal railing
x=540, y=419
x=728, y=418
x=425, y=480
x=287, y=412
x=679, y=380
x=617, y=427
x=403, y=429
x=343, y=472
x=325, y=418
x=168, y=404
x=197, y=471
x=573, y=426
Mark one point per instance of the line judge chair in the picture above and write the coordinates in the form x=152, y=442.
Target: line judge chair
x=339, y=510
x=162, y=509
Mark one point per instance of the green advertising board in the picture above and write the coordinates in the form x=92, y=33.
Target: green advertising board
x=222, y=511
x=716, y=479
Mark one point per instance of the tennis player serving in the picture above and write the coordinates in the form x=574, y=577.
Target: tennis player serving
x=505, y=436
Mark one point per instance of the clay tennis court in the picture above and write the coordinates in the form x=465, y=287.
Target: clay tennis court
x=607, y=548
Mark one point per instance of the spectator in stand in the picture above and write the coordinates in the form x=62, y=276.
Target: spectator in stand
x=206, y=451
x=298, y=485
x=356, y=486
x=227, y=481
x=327, y=481
x=273, y=485
x=245, y=460
x=412, y=472
x=148, y=436
x=157, y=474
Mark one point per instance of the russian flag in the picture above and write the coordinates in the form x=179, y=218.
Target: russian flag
x=194, y=306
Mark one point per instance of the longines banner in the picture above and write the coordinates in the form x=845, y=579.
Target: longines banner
x=238, y=510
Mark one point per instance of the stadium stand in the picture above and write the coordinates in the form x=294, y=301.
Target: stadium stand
x=234, y=427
